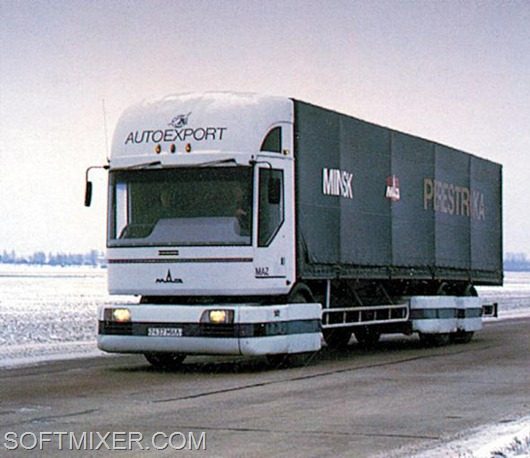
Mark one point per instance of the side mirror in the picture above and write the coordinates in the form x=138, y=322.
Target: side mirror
x=88, y=194
x=88, y=188
x=275, y=191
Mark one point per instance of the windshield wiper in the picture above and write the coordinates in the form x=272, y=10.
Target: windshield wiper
x=204, y=164
x=218, y=162
x=144, y=166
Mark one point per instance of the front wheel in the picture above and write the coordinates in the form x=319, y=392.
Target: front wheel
x=165, y=361
x=286, y=360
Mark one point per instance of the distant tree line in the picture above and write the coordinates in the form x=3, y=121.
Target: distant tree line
x=516, y=262
x=91, y=258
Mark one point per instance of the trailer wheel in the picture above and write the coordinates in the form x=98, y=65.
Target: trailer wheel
x=337, y=338
x=165, y=361
x=435, y=340
x=367, y=337
x=462, y=337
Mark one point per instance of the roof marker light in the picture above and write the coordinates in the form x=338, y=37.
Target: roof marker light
x=188, y=147
x=158, y=149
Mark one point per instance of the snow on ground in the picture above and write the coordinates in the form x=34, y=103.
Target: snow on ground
x=49, y=313
x=510, y=439
x=513, y=298
x=32, y=354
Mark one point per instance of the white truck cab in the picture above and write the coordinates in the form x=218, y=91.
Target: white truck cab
x=201, y=226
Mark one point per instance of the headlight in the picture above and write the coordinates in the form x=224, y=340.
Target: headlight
x=121, y=315
x=218, y=316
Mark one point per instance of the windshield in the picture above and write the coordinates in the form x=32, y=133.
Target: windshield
x=191, y=206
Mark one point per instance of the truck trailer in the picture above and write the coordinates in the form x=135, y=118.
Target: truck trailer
x=257, y=225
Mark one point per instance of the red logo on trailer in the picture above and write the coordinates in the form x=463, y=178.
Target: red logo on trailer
x=392, y=188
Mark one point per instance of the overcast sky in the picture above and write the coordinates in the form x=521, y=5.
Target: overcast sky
x=457, y=72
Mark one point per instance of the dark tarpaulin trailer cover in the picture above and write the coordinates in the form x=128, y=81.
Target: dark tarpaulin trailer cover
x=376, y=203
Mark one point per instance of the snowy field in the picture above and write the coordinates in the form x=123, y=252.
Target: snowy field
x=510, y=439
x=513, y=297
x=49, y=313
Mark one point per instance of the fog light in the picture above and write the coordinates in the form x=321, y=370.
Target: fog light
x=218, y=316
x=121, y=315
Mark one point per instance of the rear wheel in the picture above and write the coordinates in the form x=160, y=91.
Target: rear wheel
x=165, y=360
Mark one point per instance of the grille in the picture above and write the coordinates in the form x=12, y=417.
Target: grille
x=113, y=328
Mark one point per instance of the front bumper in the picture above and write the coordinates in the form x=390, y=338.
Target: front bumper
x=255, y=330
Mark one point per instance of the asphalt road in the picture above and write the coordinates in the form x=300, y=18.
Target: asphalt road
x=348, y=403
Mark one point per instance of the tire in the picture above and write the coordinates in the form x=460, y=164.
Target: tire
x=367, y=338
x=284, y=360
x=337, y=338
x=435, y=340
x=277, y=361
x=166, y=361
x=462, y=337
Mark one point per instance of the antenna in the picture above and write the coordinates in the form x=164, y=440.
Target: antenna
x=105, y=130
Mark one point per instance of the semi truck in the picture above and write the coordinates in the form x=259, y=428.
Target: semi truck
x=251, y=224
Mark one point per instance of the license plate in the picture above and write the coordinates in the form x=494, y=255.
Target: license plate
x=164, y=332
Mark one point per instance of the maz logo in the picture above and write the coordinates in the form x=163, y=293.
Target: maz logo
x=180, y=121
x=262, y=272
x=169, y=279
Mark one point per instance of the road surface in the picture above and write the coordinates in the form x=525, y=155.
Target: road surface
x=345, y=403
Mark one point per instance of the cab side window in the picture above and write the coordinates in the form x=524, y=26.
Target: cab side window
x=271, y=205
x=273, y=141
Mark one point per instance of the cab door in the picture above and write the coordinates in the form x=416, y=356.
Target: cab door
x=274, y=254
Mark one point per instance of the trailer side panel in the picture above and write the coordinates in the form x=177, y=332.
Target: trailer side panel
x=376, y=203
